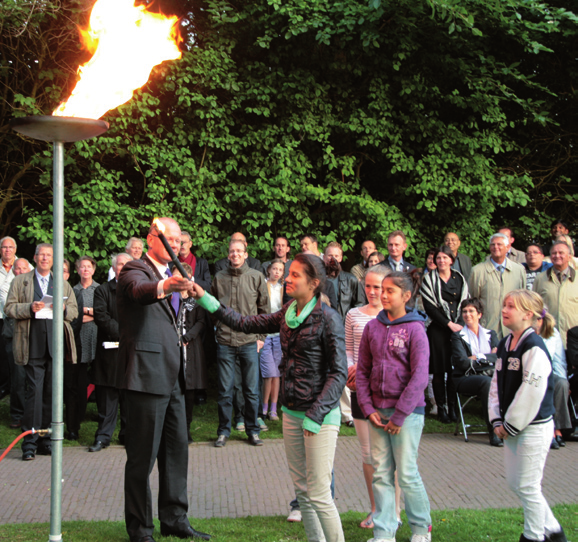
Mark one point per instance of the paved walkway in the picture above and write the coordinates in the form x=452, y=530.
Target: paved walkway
x=240, y=480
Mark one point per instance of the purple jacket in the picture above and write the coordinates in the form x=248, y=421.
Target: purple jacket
x=393, y=366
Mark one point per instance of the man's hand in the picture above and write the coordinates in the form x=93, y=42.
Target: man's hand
x=37, y=306
x=260, y=345
x=176, y=284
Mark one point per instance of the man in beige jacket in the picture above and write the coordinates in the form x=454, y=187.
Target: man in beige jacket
x=32, y=343
x=559, y=289
x=492, y=279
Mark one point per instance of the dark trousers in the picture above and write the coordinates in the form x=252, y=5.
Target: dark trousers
x=246, y=357
x=441, y=387
x=107, y=403
x=4, y=365
x=155, y=430
x=17, y=385
x=75, y=389
x=38, y=403
x=476, y=385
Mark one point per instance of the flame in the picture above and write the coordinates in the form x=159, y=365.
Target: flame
x=128, y=42
x=159, y=225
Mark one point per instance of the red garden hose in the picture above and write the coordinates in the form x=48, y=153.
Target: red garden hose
x=41, y=432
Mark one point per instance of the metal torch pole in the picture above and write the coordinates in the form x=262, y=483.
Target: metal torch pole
x=57, y=344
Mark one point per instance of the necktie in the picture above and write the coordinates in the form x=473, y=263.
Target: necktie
x=175, y=301
x=44, y=285
x=501, y=268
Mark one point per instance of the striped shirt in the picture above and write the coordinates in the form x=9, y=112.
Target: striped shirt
x=355, y=322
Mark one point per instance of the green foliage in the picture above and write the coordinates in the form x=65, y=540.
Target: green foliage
x=347, y=119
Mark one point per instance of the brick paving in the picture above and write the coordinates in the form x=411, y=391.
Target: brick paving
x=240, y=480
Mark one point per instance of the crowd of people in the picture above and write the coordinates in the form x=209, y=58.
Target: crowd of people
x=302, y=337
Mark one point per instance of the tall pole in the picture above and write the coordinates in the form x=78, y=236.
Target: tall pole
x=57, y=344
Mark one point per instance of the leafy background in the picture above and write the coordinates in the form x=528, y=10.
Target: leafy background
x=346, y=119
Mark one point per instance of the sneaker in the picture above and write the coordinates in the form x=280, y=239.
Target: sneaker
x=294, y=516
x=434, y=410
x=560, y=536
x=221, y=441
x=381, y=540
x=262, y=426
x=240, y=427
x=254, y=440
x=420, y=537
x=273, y=416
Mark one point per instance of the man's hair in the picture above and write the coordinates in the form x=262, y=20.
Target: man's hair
x=556, y=222
x=42, y=245
x=244, y=240
x=115, y=257
x=397, y=233
x=10, y=239
x=537, y=246
x=333, y=244
x=281, y=237
x=507, y=228
x=501, y=236
x=310, y=235
x=368, y=241
x=187, y=234
x=131, y=241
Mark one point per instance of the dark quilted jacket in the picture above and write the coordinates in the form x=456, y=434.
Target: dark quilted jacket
x=314, y=365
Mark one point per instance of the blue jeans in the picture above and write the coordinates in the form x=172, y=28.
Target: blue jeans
x=227, y=358
x=398, y=452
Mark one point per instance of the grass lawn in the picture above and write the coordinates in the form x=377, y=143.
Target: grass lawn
x=448, y=526
x=205, y=422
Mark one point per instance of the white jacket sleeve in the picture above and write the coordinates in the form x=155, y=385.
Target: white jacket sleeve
x=525, y=406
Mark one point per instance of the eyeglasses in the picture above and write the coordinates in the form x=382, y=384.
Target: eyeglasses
x=8, y=247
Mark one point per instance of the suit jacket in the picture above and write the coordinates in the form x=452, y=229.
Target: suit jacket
x=223, y=264
x=149, y=353
x=201, y=274
x=465, y=265
x=104, y=369
x=32, y=337
x=491, y=286
x=461, y=352
x=407, y=267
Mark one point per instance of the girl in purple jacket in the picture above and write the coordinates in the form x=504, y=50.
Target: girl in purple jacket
x=392, y=373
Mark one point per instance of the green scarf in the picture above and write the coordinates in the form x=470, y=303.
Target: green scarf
x=291, y=318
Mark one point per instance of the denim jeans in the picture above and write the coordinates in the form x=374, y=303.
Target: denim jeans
x=398, y=452
x=310, y=461
x=524, y=459
x=227, y=358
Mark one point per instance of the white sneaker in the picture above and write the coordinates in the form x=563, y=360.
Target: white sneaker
x=420, y=537
x=434, y=410
x=294, y=516
x=381, y=540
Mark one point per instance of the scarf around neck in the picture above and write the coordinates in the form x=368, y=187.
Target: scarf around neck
x=291, y=318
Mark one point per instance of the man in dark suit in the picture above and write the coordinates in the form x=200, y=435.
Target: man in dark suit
x=104, y=369
x=396, y=246
x=150, y=352
x=32, y=343
x=199, y=265
x=462, y=263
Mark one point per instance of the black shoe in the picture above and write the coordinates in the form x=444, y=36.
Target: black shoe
x=15, y=424
x=560, y=536
x=189, y=532
x=72, y=436
x=443, y=415
x=495, y=440
x=44, y=450
x=221, y=441
x=97, y=446
x=28, y=455
x=560, y=440
x=554, y=444
x=452, y=414
x=573, y=437
x=254, y=440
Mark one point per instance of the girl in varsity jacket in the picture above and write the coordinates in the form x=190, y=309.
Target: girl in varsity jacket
x=521, y=408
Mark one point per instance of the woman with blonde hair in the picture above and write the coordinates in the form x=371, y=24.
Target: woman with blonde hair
x=521, y=409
